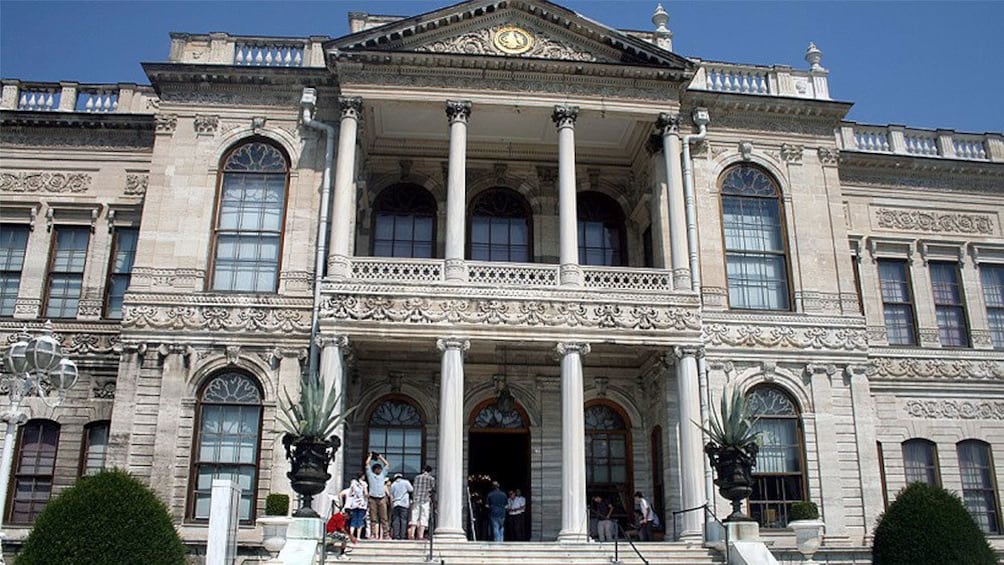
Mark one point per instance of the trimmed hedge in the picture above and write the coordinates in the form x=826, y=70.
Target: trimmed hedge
x=803, y=510
x=929, y=526
x=277, y=504
x=106, y=518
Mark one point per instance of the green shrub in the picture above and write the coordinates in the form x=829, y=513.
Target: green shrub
x=929, y=526
x=106, y=518
x=804, y=510
x=276, y=504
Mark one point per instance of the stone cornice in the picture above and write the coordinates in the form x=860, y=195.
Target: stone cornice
x=161, y=74
x=77, y=120
x=768, y=113
x=894, y=170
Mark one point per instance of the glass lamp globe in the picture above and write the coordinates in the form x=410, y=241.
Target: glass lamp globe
x=43, y=353
x=16, y=361
x=64, y=376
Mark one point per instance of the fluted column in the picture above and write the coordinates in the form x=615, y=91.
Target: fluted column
x=691, y=451
x=574, y=520
x=341, y=224
x=451, y=439
x=669, y=126
x=458, y=111
x=571, y=273
x=333, y=376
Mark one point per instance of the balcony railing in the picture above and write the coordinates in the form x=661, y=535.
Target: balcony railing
x=247, y=51
x=75, y=97
x=775, y=80
x=900, y=140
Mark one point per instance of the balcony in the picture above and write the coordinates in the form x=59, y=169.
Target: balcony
x=75, y=97
x=247, y=51
x=901, y=140
x=773, y=80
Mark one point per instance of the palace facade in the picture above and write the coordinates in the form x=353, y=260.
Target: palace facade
x=546, y=248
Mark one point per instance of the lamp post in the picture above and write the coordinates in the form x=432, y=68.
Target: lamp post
x=32, y=366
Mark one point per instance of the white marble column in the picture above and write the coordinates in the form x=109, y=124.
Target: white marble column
x=691, y=450
x=659, y=205
x=339, y=266
x=669, y=126
x=574, y=518
x=458, y=112
x=571, y=273
x=334, y=378
x=450, y=489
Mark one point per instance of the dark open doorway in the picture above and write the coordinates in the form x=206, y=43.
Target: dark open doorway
x=502, y=456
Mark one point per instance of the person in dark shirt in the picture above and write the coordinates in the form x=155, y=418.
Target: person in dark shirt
x=601, y=511
x=496, y=502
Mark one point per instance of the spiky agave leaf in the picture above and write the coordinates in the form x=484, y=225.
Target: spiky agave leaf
x=733, y=425
x=316, y=415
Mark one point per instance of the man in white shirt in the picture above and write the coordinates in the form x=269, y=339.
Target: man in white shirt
x=400, y=496
x=516, y=510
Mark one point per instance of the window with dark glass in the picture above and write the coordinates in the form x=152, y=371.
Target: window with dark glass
x=608, y=457
x=953, y=330
x=251, y=212
x=34, y=467
x=979, y=489
x=395, y=430
x=778, y=478
x=897, y=301
x=123, y=254
x=66, y=271
x=755, y=257
x=920, y=462
x=993, y=294
x=13, y=242
x=404, y=222
x=500, y=227
x=95, y=448
x=227, y=441
x=601, y=230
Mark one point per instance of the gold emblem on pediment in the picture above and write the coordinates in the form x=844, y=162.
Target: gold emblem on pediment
x=513, y=40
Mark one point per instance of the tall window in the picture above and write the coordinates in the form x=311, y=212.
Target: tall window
x=227, y=441
x=95, y=447
x=979, y=492
x=404, y=222
x=500, y=227
x=608, y=456
x=897, y=302
x=396, y=431
x=754, y=240
x=778, y=478
x=920, y=462
x=123, y=254
x=993, y=294
x=250, y=217
x=13, y=242
x=601, y=230
x=66, y=271
x=953, y=331
x=35, y=464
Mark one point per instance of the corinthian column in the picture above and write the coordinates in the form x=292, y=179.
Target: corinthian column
x=669, y=126
x=451, y=438
x=458, y=112
x=691, y=452
x=574, y=520
x=571, y=274
x=345, y=166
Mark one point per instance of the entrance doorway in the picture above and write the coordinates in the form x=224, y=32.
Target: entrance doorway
x=498, y=449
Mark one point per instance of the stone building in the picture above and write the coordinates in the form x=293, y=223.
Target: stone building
x=547, y=246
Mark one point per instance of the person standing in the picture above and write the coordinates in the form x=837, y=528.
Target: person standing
x=646, y=517
x=400, y=497
x=496, y=502
x=425, y=486
x=356, y=502
x=516, y=509
x=376, y=475
x=601, y=512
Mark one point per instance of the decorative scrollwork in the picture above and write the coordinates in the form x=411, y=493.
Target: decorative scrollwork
x=955, y=409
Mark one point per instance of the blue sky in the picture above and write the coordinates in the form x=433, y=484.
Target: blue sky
x=921, y=64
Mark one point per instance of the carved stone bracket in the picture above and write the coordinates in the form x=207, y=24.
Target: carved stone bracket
x=206, y=124
x=828, y=157
x=791, y=153
x=166, y=123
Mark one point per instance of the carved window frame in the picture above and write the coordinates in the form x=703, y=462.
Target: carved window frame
x=32, y=472
x=525, y=213
x=397, y=465
x=759, y=507
x=384, y=206
x=594, y=207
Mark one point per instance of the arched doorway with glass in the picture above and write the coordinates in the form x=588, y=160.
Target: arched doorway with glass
x=498, y=449
x=608, y=457
x=396, y=429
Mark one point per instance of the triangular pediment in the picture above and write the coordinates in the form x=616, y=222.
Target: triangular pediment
x=529, y=29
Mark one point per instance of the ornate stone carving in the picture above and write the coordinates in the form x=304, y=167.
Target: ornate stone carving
x=27, y=306
x=564, y=348
x=934, y=222
x=205, y=124
x=256, y=95
x=828, y=157
x=480, y=42
x=216, y=318
x=103, y=387
x=878, y=334
x=981, y=338
x=564, y=116
x=147, y=278
x=297, y=281
x=746, y=150
x=955, y=409
x=914, y=368
x=791, y=153
x=79, y=138
x=166, y=123
x=41, y=181
x=601, y=384
x=136, y=184
x=89, y=307
x=458, y=110
x=786, y=337
x=73, y=342
x=822, y=302
x=350, y=106
x=445, y=343
x=668, y=123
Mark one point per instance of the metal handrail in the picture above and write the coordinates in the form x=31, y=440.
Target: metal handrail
x=432, y=522
x=617, y=559
x=707, y=512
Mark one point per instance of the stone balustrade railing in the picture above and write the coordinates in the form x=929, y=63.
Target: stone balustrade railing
x=76, y=97
x=901, y=140
x=247, y=51
x=774, y=80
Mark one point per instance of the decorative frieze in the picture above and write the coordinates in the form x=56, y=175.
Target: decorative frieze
x=136, y=184
x=786, y=337
x=955, y=409
x=27, y=307
x=74, y=342
x=819, y=302
x=78, y=138
x=217, y=318
x=914, y=368
x=151, y=279
x=482, y=42
x=42, y=181
x=933, y=222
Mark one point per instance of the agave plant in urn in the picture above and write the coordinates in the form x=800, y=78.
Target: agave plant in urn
x=732, y=450
x=310, y=439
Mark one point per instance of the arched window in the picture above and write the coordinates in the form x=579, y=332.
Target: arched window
x=94, y=450
x=396, y=431
x=979, y=489
x=602, y=239
x=779, y=475
x=500, y=227
x=608, y=455
x=920, y=462
x=753, y=226
x=34, y=467
x=404, y=222
x=251, y=210
x=227, y=441
x=492, y=417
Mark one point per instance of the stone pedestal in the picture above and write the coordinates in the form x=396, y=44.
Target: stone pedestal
x=303, y=541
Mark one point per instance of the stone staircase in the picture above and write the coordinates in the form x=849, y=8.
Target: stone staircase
x=529, y=553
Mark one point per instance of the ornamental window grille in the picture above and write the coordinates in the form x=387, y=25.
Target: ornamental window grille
x=779, y=477
x=228, y=441
x=953, y=329
x=94, y=450
x=34, y=468
x=13, y=243
x=992, y=277
x=404, y=222
x=602, y=239
x=396, y=430
x=897, y=302
x=755, y=247
x=608, y=456
x=251, y=210
x=66, y=271
x=979, y=488
x=493, y=417
x=500, y=227
x=920, y=462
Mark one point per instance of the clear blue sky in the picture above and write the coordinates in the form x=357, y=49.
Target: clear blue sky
x=922, y=64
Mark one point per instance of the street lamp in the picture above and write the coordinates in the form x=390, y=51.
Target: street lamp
x=32, y=366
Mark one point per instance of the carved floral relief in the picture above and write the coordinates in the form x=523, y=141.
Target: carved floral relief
x=38, y=181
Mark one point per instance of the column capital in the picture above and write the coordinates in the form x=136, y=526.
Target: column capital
x=350, y=106
x=333, y=340
x=447, y=343
x=564, y=116
x=565, y=347
x=681, y=351
x=668, y=124
x=458, y=110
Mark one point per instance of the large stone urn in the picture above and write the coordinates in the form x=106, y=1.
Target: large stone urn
x=309, y=459
x=808, y=537
x=733, y=471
